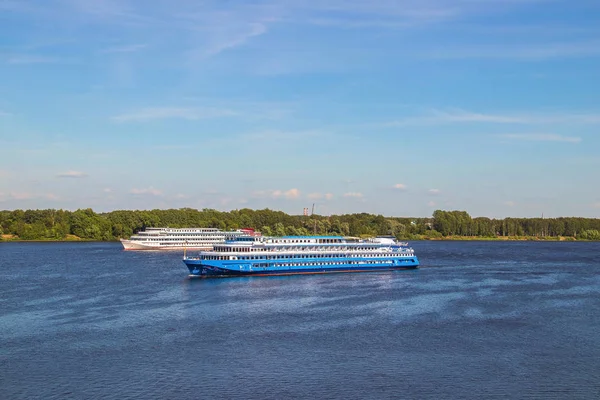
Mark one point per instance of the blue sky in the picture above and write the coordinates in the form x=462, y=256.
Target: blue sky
x=390, y=107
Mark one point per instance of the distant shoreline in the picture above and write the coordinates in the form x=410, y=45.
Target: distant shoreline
x=8, y=239
x=511, y=239
x=85, y=224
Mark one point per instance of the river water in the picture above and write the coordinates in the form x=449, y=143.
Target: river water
x=478, y=320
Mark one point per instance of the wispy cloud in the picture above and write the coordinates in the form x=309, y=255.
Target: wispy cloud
x=357, y=195
x=216, y=28
x=359, y=24
x=528, y=52
x=21, y=59
x=400, y=186
x=148, y=114
x=319, y=196
x=279, y=136
x=541, y=137
x=72, y=174
x=112, y=11
x=17, y=6
x=21, y=196
x=146, y=191
x=436, y=116
x=131, y=48
x=380, y=13
x=434, y=192
x=466, y=116
x=255, y=29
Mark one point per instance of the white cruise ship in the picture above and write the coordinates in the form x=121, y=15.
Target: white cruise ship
x=182, y=238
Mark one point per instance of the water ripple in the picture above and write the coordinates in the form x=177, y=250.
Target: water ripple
x=479, y=320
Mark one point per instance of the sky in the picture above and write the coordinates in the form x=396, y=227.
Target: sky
x=388, y=107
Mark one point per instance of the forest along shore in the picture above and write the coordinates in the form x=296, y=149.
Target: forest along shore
x=87, y=225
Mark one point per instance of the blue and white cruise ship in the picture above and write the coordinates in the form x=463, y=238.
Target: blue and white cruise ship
x=292, y=255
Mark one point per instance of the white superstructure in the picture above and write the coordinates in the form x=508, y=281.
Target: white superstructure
x=180, y=238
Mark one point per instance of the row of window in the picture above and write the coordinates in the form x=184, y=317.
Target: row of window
x=204, y=237
x=314, y=264
x=287, y=257
x=305, y=241
x=177, y=240
x=226, y=249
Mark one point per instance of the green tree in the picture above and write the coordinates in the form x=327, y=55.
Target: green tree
x=279, y=229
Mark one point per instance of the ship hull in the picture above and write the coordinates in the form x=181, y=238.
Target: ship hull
x=200, y=269
x=131, y=245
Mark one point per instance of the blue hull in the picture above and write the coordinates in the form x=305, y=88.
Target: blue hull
x=198, y=268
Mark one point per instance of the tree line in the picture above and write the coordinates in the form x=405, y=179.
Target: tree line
x=86, y=224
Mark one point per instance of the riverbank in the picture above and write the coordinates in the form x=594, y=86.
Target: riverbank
x=73, y=238
x=510, y=238
x=68, y=238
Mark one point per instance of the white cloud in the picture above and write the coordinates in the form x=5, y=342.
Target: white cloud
x=510, y=203
x=292, y=194
x=596, y=204
x=542, y=137
x=146, y=191
x=148, y=114
x=107, y=190
x=357, y=195
x=72, y=174
x=431, y=204
x=328, y=196
x=434, y=191
x=400, y=186
x=277, y=193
